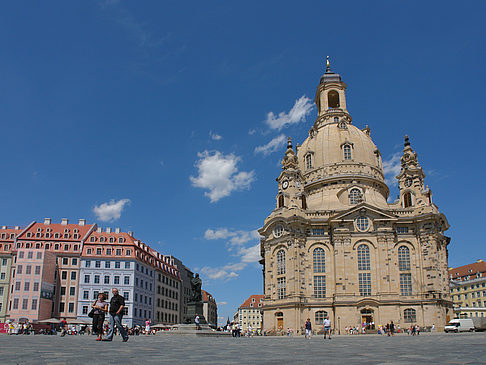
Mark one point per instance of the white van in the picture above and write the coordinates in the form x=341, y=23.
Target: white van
x=460, y=325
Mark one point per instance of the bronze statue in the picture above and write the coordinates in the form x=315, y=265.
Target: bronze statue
x=196, y=284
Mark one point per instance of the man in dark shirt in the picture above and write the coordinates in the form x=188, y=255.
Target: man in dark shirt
x=117, y=303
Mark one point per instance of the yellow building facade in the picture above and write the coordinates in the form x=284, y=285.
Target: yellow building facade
x=334, y=246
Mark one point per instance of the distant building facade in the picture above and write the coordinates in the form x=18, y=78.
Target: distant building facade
x=250, y=313
x=468, y=289
x=210, y=309
x=7, y=240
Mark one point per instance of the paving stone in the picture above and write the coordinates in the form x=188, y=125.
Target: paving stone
x=463, y=348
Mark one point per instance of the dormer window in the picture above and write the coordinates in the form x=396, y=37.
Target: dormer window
x=347, y=152
x=121, y=240
x=308, y=161
x=354, y=196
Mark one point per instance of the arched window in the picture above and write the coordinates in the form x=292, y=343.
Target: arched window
x=333, y=99
x=281, y=201
x=281, y=262
x=308, y=161
x=319, y=260
x=354, y=196
x=319, y=317
x=403, y=258
x=304, y=202
x=410, y=315
x=121, y=240
x=404, y=266
x=363, y=257
x=336, y=119
x=364, y=277
x=407, y=199
x=347, y=152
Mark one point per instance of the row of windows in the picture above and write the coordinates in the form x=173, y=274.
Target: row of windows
x=6, y=235
x=109, y=251
x=473, y=295
x=30, y=255
x=25, y=304
x=125, y=294
x=166, y=317
x=140, y=298
x=107, y=264
x=49, y=235
x=466, y=287
x=106, y=279
x=18, y=284
x=142, y=284
x=103, y=239
x=125, y=310
x=28, y=269
x=167, y=292
x=166, y=304
x=46, y=246
x=168, y=281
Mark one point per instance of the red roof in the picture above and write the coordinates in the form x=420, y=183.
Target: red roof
x=74, y=232
x=207, y=297
x=8, y=234
x=468, y=272
x=253, y=301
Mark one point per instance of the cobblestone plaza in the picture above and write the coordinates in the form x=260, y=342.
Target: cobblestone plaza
x=438, y=348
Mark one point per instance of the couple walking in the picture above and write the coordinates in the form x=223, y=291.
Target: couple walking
x=326, y=326
x=100, y=307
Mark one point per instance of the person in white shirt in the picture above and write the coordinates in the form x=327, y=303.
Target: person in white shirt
x=327, y=327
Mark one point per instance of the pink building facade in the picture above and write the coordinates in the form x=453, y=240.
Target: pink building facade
x=32, y=285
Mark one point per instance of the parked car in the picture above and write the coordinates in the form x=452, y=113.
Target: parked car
x=460, y=325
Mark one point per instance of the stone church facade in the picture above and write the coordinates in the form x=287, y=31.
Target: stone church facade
x=334, y=246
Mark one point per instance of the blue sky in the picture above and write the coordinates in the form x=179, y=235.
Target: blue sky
x=154, y=116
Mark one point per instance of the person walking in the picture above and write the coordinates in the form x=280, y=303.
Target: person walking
x=148, y=322
x=63, y=325
x=308, y=329
x=100, y=307
x=196, y=321
x=327, y=327
x=117, y=303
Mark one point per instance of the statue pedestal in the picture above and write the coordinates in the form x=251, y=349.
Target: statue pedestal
x=194, y=308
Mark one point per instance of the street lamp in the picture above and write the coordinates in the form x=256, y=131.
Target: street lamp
x=339, y=325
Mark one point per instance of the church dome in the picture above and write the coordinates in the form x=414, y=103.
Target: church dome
x=339, y=149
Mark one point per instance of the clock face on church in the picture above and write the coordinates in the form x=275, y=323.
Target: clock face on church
x=285, y=184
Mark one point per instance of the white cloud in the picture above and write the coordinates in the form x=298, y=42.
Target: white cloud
x=237, y=238
x=224, y=272
x=222, y=303
x=277, y=143
x=251, y=132
x=218, y=174
x=391, y=168
x=215, y=136
x=297, y=114
x=111, y=211
x=236, y=242
x=250, y=254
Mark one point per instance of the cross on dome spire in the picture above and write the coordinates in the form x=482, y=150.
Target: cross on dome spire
x=328, y=65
